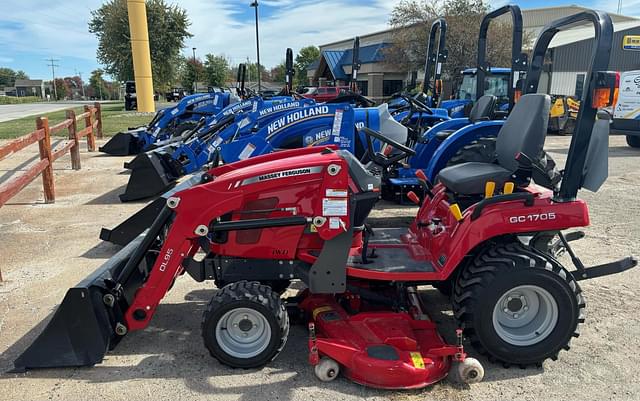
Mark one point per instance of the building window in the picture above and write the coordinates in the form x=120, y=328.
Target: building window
x=363, y=87
x=391, y=86
x=579, y=85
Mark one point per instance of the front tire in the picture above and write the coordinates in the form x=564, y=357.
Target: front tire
x=633, y=141
x=245, y=325
x=518, y=305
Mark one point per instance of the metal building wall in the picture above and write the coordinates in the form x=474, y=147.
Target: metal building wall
x=573, y=59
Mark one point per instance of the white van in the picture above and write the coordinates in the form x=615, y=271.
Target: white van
x=626, y=114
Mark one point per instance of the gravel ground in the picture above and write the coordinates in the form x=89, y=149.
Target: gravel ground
x=45, y=249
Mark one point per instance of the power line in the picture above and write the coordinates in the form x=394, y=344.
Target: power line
x=53, y=65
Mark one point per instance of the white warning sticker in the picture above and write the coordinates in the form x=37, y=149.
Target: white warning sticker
x=337, y=122
x=337, y=193
x=245, y=121
x=247, y=151
x=334, y=223
x=334, y=207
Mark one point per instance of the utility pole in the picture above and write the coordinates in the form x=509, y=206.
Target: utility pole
x=255, y=5
x=53, y=65
x=619, y=6
x=195, y=72
x=248, y=70
x=79, y=74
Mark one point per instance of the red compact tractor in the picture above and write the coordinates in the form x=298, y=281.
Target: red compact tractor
x=486, y=231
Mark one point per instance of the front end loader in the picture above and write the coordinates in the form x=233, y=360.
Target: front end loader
x=167, y=123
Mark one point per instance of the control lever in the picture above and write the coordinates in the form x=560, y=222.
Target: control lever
x=424, y=182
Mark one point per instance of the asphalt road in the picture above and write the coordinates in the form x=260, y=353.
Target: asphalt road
x=14, y=111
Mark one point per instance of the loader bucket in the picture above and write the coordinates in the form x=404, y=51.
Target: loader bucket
x=142, y=220
x=129, y=229
x=149, y=177
x=122, y=144
x=83, y=327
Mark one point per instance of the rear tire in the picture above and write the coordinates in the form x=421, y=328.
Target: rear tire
x=518, y=305
x=245, y=325
x=483, y=150
x=183, y=128
x=633, y=141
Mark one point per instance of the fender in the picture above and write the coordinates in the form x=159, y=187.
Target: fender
x=426, y=148
x=513, y=217
x=456, y=141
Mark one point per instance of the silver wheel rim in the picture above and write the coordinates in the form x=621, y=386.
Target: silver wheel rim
x=525, y=315
x=243, y=333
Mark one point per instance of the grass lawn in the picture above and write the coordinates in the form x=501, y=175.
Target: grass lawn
x=114, y=119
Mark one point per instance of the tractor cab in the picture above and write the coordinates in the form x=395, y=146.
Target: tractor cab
x=496, y=84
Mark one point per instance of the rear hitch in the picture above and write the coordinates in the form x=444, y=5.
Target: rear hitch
x=584, y=273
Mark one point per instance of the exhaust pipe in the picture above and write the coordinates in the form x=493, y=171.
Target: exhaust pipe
x=149, y=177
x=123, y=144
x=86, y=323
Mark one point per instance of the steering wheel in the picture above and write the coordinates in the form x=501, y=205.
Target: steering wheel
x=382, y=159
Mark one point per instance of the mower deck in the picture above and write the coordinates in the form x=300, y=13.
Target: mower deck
x=381, y=349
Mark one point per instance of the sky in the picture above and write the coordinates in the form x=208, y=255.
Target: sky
x=32, y=31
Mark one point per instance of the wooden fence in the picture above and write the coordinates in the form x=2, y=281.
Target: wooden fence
x=92, y=121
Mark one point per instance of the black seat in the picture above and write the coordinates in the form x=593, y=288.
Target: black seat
x=523, y=132
x=482, y=110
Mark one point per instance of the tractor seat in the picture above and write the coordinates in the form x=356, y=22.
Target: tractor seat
x=523, y=132
x=482, y=110
x=470, y=178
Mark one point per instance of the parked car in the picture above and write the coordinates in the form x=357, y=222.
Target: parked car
x=326, y=93
x=175, y=94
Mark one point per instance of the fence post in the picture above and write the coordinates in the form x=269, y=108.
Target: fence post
x=45, y=153
x=98, y=118
x=75, y=149
x=91, y=139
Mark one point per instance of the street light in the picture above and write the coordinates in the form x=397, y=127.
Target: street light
x=195, y=71
x=255, y=5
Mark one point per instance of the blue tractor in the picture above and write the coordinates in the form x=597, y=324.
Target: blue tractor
x=169, y=122
x=475, y=120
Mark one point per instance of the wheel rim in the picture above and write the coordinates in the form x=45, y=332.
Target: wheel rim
x=525, y=315
x=243, y=333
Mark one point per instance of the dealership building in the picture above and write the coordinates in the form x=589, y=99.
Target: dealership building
x=569, y=53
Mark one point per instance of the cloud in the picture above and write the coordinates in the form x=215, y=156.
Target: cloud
x=218, y=27
x=44, y=28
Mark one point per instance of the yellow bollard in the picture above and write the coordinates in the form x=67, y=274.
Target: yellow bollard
x=141, y=55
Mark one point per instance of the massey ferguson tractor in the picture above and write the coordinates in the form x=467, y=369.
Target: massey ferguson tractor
x=492, y=231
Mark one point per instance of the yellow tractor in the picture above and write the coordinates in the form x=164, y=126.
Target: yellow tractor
x=563, y=114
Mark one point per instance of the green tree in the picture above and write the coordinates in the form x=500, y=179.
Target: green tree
x=61, y=89
x=8, y=76
x=278, y=73
x=98, y=85
x=304, y=58
x=216, y=69
x=190, y=71
x=412, y=20
x=168, y=27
